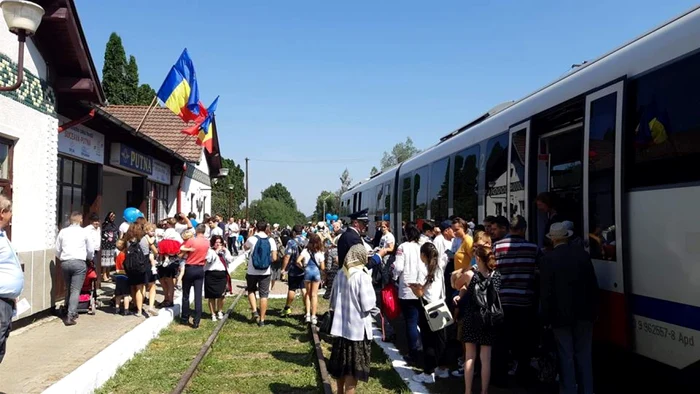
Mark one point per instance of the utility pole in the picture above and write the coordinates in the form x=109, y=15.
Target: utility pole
x=247, y=190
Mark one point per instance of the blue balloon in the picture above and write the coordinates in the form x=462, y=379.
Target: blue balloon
x=329, y=216
x=386, y=216
x=131, y=214
x=335, y=217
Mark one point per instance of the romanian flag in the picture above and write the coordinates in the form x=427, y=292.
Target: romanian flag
x=179, y=91
x=204, y=126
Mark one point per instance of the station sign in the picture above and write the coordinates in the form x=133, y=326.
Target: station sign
x=161, y=172
x=125, y=157
x=82, y=143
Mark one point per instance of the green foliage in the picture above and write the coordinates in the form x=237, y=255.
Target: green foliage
x=120, y=79
x=345, y=182
x=272, y=210
x=131, y=81
x=114, y=71
x=280, y=193
x=227, y=202
x=399, y=153
x=373, y=171
x=332, y=205
x=145, y=94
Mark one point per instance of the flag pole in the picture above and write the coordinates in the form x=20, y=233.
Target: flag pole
x=148, y=111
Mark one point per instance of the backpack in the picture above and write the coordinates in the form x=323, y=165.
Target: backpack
x=136, y=262
x=261, y=255
x=489, y=303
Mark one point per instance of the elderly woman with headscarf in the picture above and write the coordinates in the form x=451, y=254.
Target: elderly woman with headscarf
x=110, y=235
x=353, y=302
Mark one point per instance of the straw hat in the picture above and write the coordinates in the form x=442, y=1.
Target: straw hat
x=559, y=231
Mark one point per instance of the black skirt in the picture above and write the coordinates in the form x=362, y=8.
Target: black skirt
x=350, y=358
x=214, y=284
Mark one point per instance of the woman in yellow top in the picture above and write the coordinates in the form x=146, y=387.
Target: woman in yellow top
x=463, y=256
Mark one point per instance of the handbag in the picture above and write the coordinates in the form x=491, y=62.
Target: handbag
x=390, y=301
x=326, y=322
x=438, y=314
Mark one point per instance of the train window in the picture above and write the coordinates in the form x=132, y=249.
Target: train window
x=379, y=202
x=601, y=177
x=420, y=194
x=517, y=173
x=387, y=197
x=406, y=198
x=466, y=181
x=496, y=173
x=439, y=188
x=665, y=123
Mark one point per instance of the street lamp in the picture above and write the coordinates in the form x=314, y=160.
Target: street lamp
x=22, y=18
x=230, y=195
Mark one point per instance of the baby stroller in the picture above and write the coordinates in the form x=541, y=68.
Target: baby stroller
x=87, y=300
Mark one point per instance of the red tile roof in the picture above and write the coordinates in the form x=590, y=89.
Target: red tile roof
x=161, y=125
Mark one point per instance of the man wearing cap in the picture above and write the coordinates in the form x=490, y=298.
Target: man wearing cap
x=358, y=225
x=569, y=303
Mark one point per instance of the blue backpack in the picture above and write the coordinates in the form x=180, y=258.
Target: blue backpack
x=261, y=255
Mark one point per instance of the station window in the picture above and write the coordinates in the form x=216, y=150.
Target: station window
x=496, y=173
x=420, y=194
x=71, y=184
x=664, y=125
x=157, y=202
x=439, y=189
x=466, y=183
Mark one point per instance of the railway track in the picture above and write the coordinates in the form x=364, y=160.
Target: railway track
x=207, y=346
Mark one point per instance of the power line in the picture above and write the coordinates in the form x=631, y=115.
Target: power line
x=358, y=160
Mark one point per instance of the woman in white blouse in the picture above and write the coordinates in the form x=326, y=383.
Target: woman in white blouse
x=407, y=270
x=216, y=276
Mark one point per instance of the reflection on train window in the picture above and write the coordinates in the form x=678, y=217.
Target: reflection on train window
x=387, y=197
x=439, y=187
x=420, y=193
x=601, y=178
x=466, y=181
x=517, y=173
x=496, y=172
x=665, y=123
x=406, y=198
x=379, y=202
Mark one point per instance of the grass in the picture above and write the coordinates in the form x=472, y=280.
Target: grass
x=239, y=272
x=277, y=358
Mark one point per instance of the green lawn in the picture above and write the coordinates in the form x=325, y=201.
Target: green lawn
x=239, y=272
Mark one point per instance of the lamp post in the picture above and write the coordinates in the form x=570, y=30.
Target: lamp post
x=230, y=195
x=22, y=18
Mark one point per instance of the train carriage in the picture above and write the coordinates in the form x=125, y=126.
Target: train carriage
x=618, y=139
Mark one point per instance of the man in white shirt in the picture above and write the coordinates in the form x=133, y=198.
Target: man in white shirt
x=73, y=248
x=11, y=276
x=233, y=231
x=259, y=279
x=214, y=229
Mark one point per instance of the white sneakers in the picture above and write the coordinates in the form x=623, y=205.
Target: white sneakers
x=314, y=320
x=442, y=373
x=307, y=319
x=424, y=378
x=220, y=315
x=213, y=317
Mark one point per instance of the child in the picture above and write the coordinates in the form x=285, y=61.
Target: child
x=187, y=234
x=122, y=289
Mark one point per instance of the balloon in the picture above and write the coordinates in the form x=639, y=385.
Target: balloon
x=386, y=216
x=335, y=217
x=329, y=216
x=131, y=214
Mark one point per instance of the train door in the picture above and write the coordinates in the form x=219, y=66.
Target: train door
x=560, y=173
x=602, y=194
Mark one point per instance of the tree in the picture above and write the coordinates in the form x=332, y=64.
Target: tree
x=221, y=193
x=145, y=94
x=114, y=71
x=399, y=153
x=272, y=210
x=131, y=81
x=373, y=171
x=331, y=200
x=280, y=193
x=345, y=182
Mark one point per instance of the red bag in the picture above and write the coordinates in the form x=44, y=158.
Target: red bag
x=390, y=301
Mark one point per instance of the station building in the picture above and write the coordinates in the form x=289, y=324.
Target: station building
x=63, y=148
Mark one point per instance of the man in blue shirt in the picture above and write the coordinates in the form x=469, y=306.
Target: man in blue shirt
x=295, y=274
x=11, y=276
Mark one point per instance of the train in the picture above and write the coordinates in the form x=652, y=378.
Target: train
x=618, y=139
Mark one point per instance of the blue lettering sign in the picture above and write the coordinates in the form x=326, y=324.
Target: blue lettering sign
x=134, y=160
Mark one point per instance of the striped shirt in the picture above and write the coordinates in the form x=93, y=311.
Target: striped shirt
x=516, y=260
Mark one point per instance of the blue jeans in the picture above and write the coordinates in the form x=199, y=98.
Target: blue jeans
x=575, y=359
x=410, y=310
x=74, y=274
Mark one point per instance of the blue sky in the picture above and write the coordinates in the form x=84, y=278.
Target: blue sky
x=346, y=80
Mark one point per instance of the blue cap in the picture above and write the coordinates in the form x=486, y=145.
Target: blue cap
x=445, y=224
